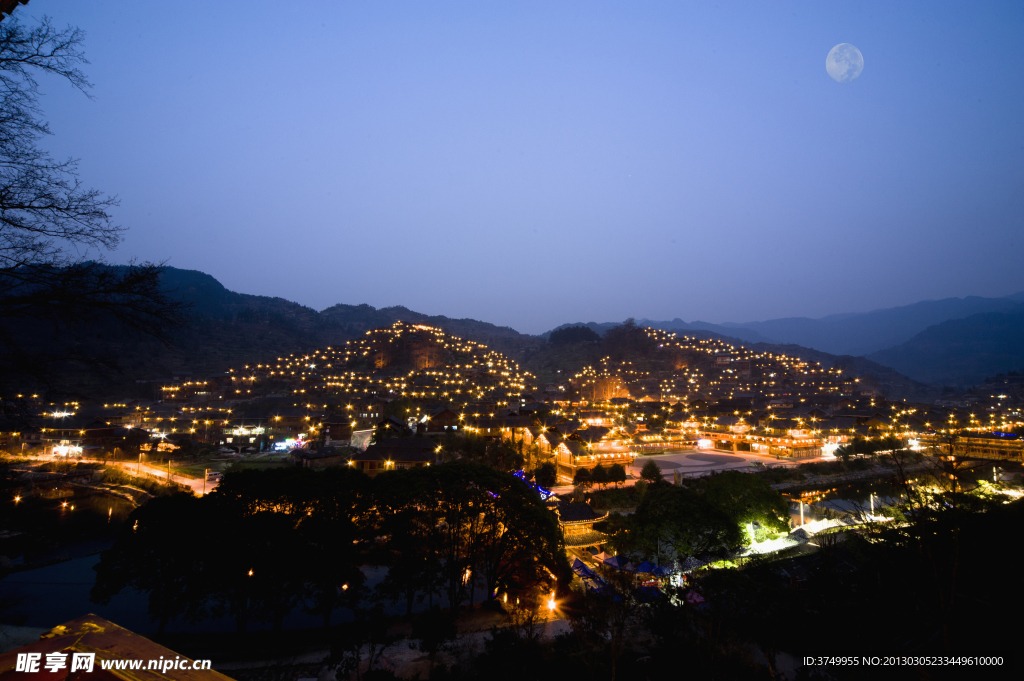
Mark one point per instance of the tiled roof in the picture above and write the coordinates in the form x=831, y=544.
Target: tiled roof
x=92, y=634
x=401, y=449
x=574, y=512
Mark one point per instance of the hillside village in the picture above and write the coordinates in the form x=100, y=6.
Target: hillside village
x=240, y=438
x=354, y=403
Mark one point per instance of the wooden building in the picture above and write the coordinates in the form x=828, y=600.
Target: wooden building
x=571, y=455
x=309, y=458
x=576, y=521
x=1002, y=446
x=395, y=453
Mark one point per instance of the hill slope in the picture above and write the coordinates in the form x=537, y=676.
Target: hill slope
x=961, y=352
x=211, y=300
x=554, y=364
x=224, y=328
x=841, y=334
x=865, y=333
x=702, y=329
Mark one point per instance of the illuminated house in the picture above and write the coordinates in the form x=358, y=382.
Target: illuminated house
x=576, y=521
x=10, y=439
x=795, y=444
x=547, y=441
x=571, y=455
x=512, y=428
x=596, y=418
x=394, y=453
x=1007, y=446
x=337, y=429
x=292, y=423
x=597, y=436
x=441, y=420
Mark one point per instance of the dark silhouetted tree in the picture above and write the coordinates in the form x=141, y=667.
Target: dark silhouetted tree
x=546, y=475
x=616, y=474
x=628, y=340
x=53, y=230
x=582, y=477
x=573, y=334
x=364, y=638
x=651, y=472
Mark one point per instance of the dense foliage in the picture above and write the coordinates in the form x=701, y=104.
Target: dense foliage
x=573, y=334
x=627, y=340
x=290, y=537
x=928, y=586
x=703, y=518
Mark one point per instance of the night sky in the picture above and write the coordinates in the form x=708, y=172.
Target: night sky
x=534, y=163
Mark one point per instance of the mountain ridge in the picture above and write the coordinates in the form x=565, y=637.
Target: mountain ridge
x=228, y=318
x=227, y=329
x=207, y=297
x=961, y=352
x=853, y=333
x=927, y=347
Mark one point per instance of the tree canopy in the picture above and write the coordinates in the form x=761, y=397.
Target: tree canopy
x=746, y=498
x=684, y=520
x=573, y=334
x=295, y=536
x=651, y=472
x=628, y=339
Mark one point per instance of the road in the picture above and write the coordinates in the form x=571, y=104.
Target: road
x=160, y=474
x=155, y=472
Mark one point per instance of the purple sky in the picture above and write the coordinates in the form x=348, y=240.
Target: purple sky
x=533, y=163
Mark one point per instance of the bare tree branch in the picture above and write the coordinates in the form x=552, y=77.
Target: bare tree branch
x=54, y=230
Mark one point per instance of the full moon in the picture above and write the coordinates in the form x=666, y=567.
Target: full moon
x=844, y=63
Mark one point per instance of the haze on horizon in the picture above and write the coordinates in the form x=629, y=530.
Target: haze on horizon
x=531, y=164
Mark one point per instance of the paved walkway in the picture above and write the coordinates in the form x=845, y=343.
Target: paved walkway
x=146, y=470
x=694, y=463
x=160, y=475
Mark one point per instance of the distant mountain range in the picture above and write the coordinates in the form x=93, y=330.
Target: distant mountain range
x=948, y=342
x=210, y=299
x=231, y=329
x=225, y=329
x=954, y=341
x=961, y=352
